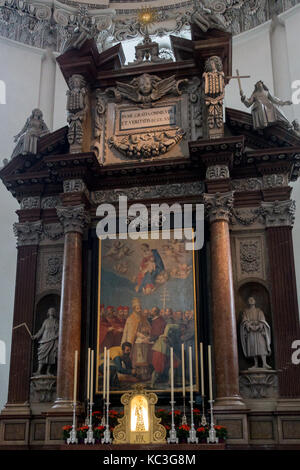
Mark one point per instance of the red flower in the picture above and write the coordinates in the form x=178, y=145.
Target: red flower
x=161, y=410
x=99, y=428
x=185, y=427
x=167, y=427
x=97, y=413
x=202, y=429
x=113, y=412
x=67, y=427
x=197, y=411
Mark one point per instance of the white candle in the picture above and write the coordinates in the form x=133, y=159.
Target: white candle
x=210, y=374
x=202, y=369
x=107, y=377
x=172, y=374
x=104, y=374
x=88, y=374
x=191, y=374
x=92, y=376
x=183, y=370
x=75, y=376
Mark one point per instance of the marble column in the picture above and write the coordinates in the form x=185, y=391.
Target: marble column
x=47, y=86
x=74, y=219
x=218, y=207
x=28, y=236
x=280, y=64
x=279, y=217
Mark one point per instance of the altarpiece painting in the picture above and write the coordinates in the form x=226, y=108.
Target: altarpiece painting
x=146, y=304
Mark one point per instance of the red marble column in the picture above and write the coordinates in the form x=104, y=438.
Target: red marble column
x=285, y=313
x=74, y=220
x=21, y=347
x=224, y=322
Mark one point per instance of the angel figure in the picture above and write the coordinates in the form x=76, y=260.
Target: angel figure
x=27, y=138
x=265, y=110
x=147, y=88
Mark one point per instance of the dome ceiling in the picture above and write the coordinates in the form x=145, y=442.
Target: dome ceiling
x=44, y=23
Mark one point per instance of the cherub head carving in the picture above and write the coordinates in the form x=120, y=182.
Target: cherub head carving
x=144, y=83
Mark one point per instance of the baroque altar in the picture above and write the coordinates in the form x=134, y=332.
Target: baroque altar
x=154, y=131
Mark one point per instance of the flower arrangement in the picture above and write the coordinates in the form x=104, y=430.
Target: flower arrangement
x=183, y=432
x=66, y=431
x=163, y=414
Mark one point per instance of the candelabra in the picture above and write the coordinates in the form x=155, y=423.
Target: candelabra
x=192, y=433
x=172, y=439
x=203, y=418
x=184, y=420
x=72, y=439
x=212, y=435
x=106, y=439
x=90, y=434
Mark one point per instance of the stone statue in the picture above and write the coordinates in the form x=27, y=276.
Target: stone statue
x=214, y=89
x=76, y=107
x=48, y=342
x=27, y=138
x=255, y=334
x=265, y=111
x=147, y=88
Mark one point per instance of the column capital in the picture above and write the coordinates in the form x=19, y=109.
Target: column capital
x=73, y=218
x=279, y=213
x=28, y=233
x=218, y=206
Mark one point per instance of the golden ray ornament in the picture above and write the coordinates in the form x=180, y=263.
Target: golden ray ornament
x=139, y=425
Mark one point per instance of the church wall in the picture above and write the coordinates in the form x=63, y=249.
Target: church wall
x=251, y=55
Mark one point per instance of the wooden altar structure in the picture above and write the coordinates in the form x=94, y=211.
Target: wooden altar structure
x=243, y=179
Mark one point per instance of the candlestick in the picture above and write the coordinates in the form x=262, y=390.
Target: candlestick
x=183, y=420
x=192, y=433
x=72, y=439
x=106, y=435
x=202, y=369
x=88, y=374
x=210, y=374
x=212, y=435
x=183, y=370
x=203, y=418
x=172, y=374
x=104, y=386
x=90, y=433
x=172, y=435
x=75, y=377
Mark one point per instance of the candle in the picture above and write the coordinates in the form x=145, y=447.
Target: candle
x=172, y=374
x=210, y=374
x=183, y=370
x=191, y=374
x=92, y=376
x=88, y=374
x=107, y=377
x=104, y=374
x=202, y=369
x=75, y=376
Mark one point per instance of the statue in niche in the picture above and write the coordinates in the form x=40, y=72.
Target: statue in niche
x=265, y=107
x=214, y=89
x=147, y=88
x=255, y=335
x=76, y=107
x=48, y=342
x=27, y=138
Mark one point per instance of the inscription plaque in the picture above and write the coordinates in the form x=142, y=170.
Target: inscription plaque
x=150, y=117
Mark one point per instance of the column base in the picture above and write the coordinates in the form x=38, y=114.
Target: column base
x=229, y=403
x=16, y=409
x=65, y=406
